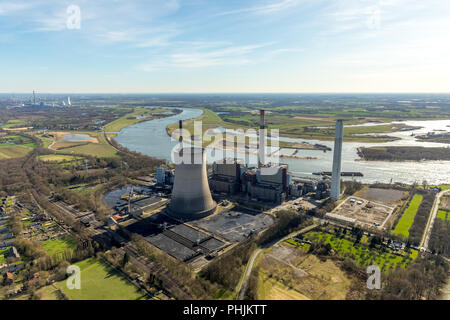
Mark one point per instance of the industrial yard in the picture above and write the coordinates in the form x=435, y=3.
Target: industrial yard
x=360, y=211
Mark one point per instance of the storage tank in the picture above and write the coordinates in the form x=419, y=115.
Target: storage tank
x=191, y=196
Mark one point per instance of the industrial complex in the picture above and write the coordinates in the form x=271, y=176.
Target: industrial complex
x=194, y=211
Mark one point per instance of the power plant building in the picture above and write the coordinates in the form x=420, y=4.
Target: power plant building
x=226, y=177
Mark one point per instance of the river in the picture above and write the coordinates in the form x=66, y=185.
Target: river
x=150, y=138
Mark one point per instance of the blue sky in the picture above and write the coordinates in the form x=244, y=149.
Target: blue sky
x=158, y=46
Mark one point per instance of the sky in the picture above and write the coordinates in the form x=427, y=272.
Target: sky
x=212, y=46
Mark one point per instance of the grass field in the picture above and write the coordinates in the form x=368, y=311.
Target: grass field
x=101, y=149
x=361, y=253
x=131, y=118
x=443, y=215
x=271, y=289
x=296, y=127
x=101, y=282
x=2, y=257
x=48, y=293
x=59, y=246
x=58, y=158
x=14, y=124
x=14, y=146
x=407, y=219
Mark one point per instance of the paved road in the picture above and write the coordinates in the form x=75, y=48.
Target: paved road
x=242, y=286
x=432, y=217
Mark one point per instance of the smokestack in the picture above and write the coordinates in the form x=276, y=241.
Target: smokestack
x=191, y=196
x=262, y=139
x=180, y=126
x=337, y=156
x=34, y=97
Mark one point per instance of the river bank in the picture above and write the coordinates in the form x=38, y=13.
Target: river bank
x=150, y=137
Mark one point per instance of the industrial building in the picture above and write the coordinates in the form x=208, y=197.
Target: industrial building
x=164, y=176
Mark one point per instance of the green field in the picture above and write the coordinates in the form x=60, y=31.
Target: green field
x=407, y=219
x=58, y=158
x=59, y=246
x=443, y=215
x=130, y=119
x=102, y=149
x=303, y=246
x=2, y=257
x=13, y=146
x=14, y=124
x=361, y=253
x=292, y=126
x=101, y=282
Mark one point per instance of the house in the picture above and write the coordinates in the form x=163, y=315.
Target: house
x=13, y=254
x=35, y=279
x=8, y=279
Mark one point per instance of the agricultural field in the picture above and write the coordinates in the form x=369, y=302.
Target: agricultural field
x=443, y=215
x=13, y=124
x=320, y=127
x=57, y=158
x=58, y=246
x=14, y=146
x=407, y=218
x=101, y=282
x=361, y=252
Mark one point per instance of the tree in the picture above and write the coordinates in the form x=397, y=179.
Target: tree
x=126, y=259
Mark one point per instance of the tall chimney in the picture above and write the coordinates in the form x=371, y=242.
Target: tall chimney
x=180, y=126
x=337, y=157
x=34, y=97
x=262, y=139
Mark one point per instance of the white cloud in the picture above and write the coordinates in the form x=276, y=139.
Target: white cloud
x=7, y=8
x=190, y=57
x=272, y=7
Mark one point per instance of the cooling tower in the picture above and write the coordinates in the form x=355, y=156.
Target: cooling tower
x=337, y=156
x=191, y=197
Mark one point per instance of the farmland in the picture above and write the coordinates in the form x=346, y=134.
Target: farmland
x=14, y=146
x=443, y=215
x=407, y=219
x=58, y=158
x=297, y=123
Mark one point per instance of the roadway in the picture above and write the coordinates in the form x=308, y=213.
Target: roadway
x=429, y=227
x=243, y=283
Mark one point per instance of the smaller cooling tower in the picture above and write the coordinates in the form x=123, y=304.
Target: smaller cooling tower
x=191, y=197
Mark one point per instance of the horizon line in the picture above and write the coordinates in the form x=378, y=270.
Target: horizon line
x=225, y=92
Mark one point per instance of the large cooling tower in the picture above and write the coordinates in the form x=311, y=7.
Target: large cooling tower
x=191, y=197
